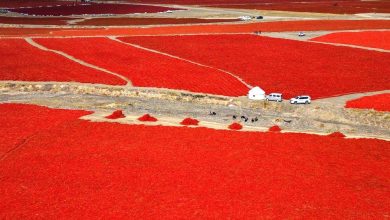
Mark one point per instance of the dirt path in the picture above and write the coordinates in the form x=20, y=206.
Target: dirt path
x=39, y=46
x=76, y=21
x=353, y=46
x=341, y=101
x=125, y=35
x=293, y=35
x=318, y=118
x=183, y=59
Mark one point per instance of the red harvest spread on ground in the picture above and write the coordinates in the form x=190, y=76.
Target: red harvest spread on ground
x=64, y=167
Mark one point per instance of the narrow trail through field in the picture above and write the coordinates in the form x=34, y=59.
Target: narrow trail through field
x=353, y=46
x=116, y=35
x=183, y=59
x=39, y=46
x=309, y=35
x=76, y=21
x=342, y=100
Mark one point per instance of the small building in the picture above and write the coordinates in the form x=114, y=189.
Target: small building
x=256, y=93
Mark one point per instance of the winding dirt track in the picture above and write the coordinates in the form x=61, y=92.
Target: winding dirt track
x=341, y=101
x=353, y=46
x=311, y=35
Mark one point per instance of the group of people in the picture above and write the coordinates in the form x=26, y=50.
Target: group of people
x=243, y=118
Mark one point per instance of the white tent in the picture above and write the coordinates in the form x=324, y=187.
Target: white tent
x=256, y=93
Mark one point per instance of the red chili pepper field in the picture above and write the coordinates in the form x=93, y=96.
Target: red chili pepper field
x=279, y=65
x=378, y=102
x=148, y=109
x=331, y=7
x=89, y=8
x=374, y=39
x=146, y=68
x=64, y=167
x=23, y=62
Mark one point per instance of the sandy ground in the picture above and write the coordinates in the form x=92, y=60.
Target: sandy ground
x=293, y=35
x=342, y=100
x=312, y=34
x=320, y=117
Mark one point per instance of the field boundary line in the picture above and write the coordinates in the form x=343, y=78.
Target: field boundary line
x=343, y=99
x=272, y=35
x=117, y=35
x=351, y=46
x=183, y=59
x=18, y=146
x=41, y=47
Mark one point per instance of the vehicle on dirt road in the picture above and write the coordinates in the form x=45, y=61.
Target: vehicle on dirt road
x=274, y=97
x=303, y=99
x=245, y=18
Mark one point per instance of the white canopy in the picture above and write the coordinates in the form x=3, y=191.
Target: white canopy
x=256, y=93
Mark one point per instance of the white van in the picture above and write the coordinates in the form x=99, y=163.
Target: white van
x=274, y=97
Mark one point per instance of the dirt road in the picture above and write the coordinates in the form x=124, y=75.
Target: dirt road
x=321, y=117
